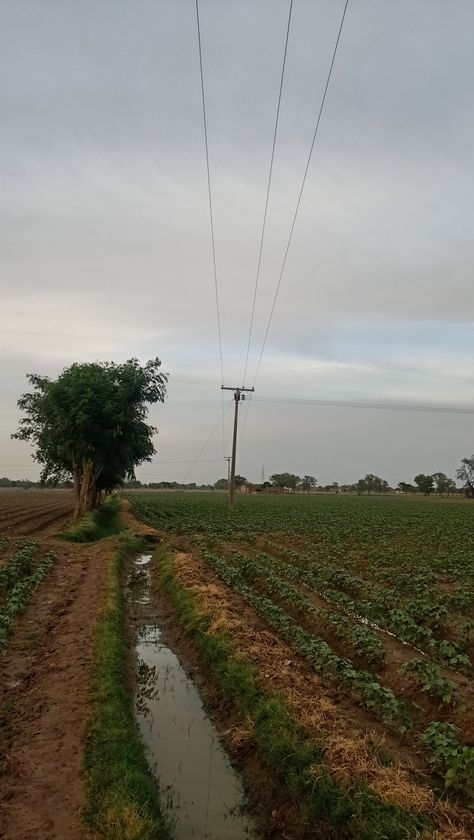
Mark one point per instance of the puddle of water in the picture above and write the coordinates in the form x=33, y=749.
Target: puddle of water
x=201, y=790
x=140, y=579
x=143, y=560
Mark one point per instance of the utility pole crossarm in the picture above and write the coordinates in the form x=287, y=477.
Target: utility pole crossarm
x=240, y=388
x=239, y=394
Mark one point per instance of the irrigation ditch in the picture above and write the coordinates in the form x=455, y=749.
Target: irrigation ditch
x=183, y=725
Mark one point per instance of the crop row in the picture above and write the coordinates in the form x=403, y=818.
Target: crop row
x=361, y=638
x=384, y=612
x=363, y=685
x=448, y=757
x=17, y=583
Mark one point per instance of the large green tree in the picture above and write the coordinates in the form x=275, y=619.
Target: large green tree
x=90, y=424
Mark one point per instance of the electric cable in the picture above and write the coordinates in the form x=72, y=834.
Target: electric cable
x=257, y=278
x=211, y=216
x=321, y=108
x=367, y=404
x=209, y=192
x=208, y=440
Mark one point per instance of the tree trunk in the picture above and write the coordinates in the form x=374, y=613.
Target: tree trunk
x=87, y=497
x=77, y=489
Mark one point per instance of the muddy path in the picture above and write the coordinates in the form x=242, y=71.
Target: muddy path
x=44, y=678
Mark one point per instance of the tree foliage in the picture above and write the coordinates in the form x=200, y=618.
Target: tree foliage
x=465, y=473
x=285, y=479
x=90, y=424
x=405, y=487
x=371, y=484
x=425, y=483
x=307, y=482
x=441, y=483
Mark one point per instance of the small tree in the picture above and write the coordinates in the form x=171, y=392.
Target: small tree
x=424, y=483
x=307, y=482
x=442, y=483
x=240, y=480
x=466, y=475
x=89, y=424
x=405, y=488
x=451, y=488
x=221, y=484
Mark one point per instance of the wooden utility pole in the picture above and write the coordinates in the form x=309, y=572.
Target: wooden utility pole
x=239, y=394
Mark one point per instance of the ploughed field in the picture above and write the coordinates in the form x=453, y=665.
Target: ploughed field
x=374, y=598
x=33, y=511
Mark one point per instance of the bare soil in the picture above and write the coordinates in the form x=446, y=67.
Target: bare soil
x=31, y=512
x=44, y=679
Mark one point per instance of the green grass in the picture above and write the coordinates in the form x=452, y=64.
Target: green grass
x=102, y=522
x=294, y=761
x=123, y=801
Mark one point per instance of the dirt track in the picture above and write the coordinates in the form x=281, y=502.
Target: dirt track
x=44, y=680
x=44, y=683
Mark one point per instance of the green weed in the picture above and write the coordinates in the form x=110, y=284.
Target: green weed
x=102, y=522
x=123, y=800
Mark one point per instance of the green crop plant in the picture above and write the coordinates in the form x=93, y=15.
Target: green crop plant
x=430, y=678
x=17, y=567
x=19, y=594
x=453, y=760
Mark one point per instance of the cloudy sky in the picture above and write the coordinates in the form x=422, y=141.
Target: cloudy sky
x=105, y=239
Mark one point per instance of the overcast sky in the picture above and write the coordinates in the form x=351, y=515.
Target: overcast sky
x=105, y=238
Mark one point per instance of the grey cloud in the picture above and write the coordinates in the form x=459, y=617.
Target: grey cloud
x=104, y=221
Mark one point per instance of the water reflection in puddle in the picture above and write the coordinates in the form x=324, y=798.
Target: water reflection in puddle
x=202, y=792
x=140, y=579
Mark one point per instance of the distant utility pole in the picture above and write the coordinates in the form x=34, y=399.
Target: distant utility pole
x=263, y=474
x=239, y=394
x=228, y=459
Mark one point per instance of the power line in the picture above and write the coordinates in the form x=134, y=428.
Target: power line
x=268, y=192
x=208, y=440
x=146, y=466
x=321, y=108
x=211, y=215
x=367, y=404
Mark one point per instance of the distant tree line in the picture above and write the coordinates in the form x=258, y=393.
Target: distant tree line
x=437, y=483
x=26, y=484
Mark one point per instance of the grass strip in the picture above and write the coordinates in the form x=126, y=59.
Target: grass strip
x=123, y=799
x=102, y=522
x=296, y=763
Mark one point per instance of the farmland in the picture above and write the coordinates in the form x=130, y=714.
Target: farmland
x=33, y=511
x=368, y=606
x=50, y=596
